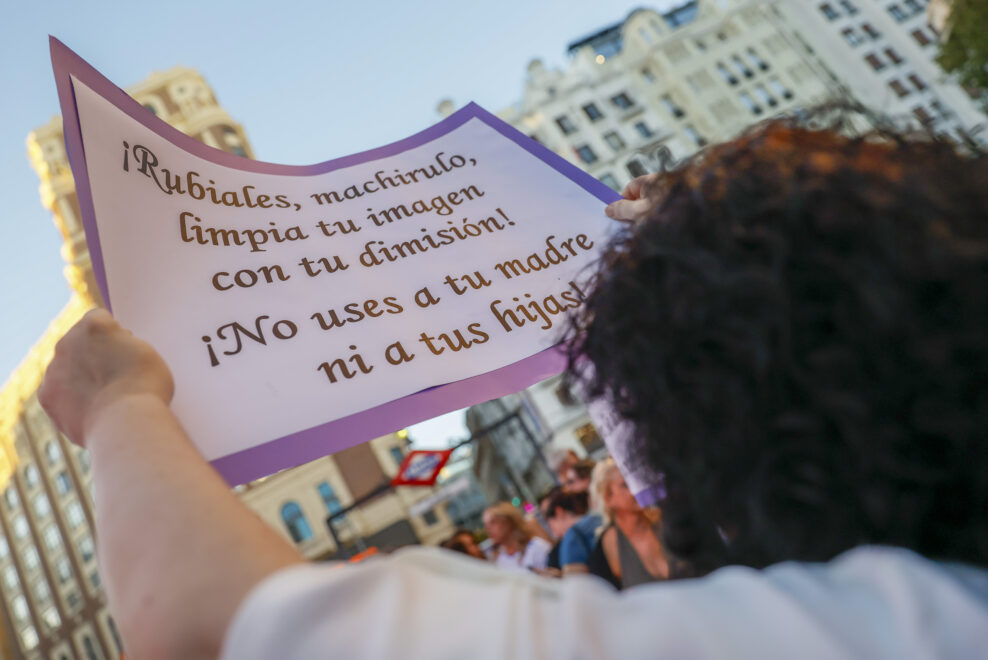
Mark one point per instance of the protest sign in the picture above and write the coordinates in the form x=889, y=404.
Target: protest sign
x=304, y=309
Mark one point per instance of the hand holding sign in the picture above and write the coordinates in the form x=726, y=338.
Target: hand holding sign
x=305, y=309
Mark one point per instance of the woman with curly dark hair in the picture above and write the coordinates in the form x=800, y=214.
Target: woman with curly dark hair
x=797, y=326
x=795, y=322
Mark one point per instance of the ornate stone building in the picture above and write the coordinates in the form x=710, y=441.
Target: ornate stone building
x=884, y=54
x=669, y=81
x=51, y=603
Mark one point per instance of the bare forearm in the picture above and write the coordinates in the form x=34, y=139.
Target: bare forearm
x=178, y=550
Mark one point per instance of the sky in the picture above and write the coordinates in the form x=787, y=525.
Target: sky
x=310, y=81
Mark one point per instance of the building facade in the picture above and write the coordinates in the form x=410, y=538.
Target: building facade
x=659, y=85
x=509, y=450
x=885, y=54
x=352, y=488
x=53, y=604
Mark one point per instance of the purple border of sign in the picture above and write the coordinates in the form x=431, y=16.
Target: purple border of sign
x=338, y=434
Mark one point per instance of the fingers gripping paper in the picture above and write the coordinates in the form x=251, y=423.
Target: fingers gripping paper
x=306, y=309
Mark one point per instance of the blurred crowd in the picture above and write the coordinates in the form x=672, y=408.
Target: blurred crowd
x=589, y=524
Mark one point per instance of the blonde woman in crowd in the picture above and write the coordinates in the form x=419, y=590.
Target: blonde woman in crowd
x=629, y=552
x=516, y=547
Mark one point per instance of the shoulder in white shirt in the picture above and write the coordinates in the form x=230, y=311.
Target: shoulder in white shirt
x=535, y=556
x=423, y=603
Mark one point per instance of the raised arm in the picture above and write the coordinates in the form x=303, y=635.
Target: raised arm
x=178, y=550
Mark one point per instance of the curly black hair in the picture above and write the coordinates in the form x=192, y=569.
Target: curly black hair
x=799, y=334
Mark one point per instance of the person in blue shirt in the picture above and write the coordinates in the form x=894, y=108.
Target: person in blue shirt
x=567, y=516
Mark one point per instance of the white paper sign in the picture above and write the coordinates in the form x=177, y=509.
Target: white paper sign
x=284, y=298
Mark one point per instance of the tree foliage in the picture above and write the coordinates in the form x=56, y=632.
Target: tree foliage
x=965, y=51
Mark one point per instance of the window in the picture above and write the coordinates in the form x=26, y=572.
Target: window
x=31, y=475
x=646, y=36
x=870, y=31
x=913, y=5
x=849, y=7
x=52, y=452
x=897, y=13
x=695, y=137
x=622, y=101
x=592, y=112
x=112, y=625
x=635, y=168
x=917, y=82
x=430, y=518
x=672, y=108
x=726, y=75
x=51, y=618
x=876, y=63
x=29, y=637
x=893, y=56
x=565, y=124
x=614, y=140
x=329, y=497
x=922, y=115
x=84, y=462
x=90, y=648
x=31, y=558
x=95, y=579
x=921, y=38
x=565, y=395
x=829, y=11
x=74, y=514
x=586, y=154
x=397, y=454
x=939, y=109
x=780, y=89
x=10, y=496
x=52, y=538
x=756, y=60
x=20, y=527
x=741, y=67
x=62, y=483
x=643, y=129
x=10, y=577
x=19, y=607
x=73, y=601
x=765, y=97
x=86, y=548
x=589, y=438
x=41, y=505
x=648, y=75
x=609, y=180
x=298, y=526
x=899, y=89
x=150, y=108
x=750, y=103
x=851, y=37
x=63, y=569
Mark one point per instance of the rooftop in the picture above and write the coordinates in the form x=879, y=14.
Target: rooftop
x=608, y=40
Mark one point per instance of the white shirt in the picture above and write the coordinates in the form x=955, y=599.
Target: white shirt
x=535, y=555
x=422, y=603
